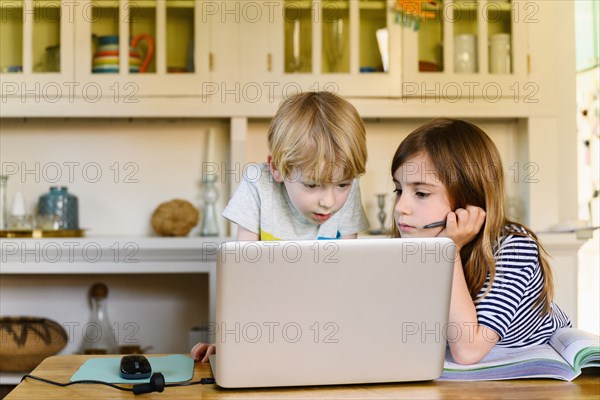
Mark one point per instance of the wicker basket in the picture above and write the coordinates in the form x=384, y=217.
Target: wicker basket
x=26, y=341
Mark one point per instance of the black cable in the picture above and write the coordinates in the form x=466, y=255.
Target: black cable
x=202, y=381
x=112, y=385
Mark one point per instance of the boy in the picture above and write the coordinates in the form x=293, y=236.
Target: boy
x=308, y=188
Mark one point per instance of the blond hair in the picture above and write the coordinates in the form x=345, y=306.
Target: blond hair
x=467, y=163
x=320, y=134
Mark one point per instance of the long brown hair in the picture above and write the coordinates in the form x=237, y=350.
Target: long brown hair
x=468, y=164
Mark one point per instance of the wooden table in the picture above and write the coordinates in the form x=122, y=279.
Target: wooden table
x=60, y=368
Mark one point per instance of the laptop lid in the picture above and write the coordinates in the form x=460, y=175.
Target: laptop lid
x=292, y=313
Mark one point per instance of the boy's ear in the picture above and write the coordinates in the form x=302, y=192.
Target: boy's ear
x=274, y=171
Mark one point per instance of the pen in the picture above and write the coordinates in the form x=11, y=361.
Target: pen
x=434, y=224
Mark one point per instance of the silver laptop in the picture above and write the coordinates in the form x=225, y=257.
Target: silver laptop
x=294, y=313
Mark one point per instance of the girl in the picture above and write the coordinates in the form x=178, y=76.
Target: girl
x=450, y=171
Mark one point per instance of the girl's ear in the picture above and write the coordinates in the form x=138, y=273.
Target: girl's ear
x=274, y=171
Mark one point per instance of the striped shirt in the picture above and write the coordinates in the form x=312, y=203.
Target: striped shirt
x=508, y=308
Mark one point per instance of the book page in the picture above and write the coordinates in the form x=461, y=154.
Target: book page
x=540, y=361
x=501, y=356
x=569, y=342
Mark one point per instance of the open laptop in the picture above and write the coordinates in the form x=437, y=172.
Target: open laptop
x=294, y=313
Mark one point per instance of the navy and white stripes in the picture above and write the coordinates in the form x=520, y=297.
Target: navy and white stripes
x=508, y=307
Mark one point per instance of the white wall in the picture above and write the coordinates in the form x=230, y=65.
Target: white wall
x=121, y=170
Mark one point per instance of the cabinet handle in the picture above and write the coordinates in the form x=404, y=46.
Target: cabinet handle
x=210, y=61
x=269, y=62
x=528, y=64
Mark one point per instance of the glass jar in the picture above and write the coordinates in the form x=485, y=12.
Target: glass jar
x=465, y=54
x=59, y=202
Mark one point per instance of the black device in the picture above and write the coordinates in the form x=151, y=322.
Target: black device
x=135, y=366
x=132, y=367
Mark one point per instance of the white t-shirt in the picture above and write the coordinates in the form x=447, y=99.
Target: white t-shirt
x=261, y=205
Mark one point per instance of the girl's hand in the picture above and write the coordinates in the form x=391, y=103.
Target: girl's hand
x=203, y=350
x=463, y=225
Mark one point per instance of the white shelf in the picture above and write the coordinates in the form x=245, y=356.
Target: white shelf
x=11, y=378
x=118, y=255
x=104, y=268
x=113, y=255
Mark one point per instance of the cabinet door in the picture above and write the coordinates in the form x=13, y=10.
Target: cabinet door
x=36, y=50
x=332, y=45
x=463, y=49
x=165, y=44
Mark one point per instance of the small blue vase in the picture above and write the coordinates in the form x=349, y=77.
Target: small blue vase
x=60, y=202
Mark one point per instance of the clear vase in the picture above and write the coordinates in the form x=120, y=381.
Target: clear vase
x=98, y=334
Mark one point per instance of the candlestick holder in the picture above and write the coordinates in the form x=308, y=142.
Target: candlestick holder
x=210, y=194
x=380, y=216
x=3, y=203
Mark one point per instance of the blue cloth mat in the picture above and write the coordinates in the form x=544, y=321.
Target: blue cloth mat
x=175, y=368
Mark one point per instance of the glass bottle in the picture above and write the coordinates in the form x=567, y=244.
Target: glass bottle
x=3, y=204
x=98, y=336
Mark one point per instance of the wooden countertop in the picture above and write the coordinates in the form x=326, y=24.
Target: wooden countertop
x=60, y=368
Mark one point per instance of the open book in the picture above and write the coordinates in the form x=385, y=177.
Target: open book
x=568, y=351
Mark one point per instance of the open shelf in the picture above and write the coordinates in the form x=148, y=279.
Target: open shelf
x=372, y=5
x=46, y=3
x=11, y=378
x=119, y=255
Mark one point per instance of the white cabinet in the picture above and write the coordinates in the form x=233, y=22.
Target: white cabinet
x=232, y=53
x=466, y=49
x=34, y=60
x=310, y=45
x=170, y=56
x=62, y=50
x=462, y=49
x=333, y=45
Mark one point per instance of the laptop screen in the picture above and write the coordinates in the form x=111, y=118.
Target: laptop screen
x=332, y=312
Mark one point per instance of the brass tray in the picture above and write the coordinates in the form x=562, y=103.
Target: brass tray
x=39, y=233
